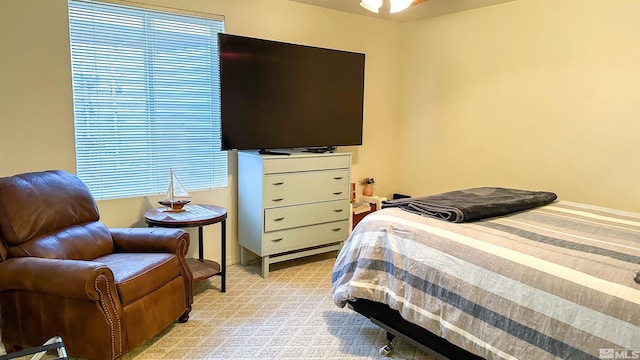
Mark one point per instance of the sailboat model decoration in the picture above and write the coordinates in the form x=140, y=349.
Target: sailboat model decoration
x=176, y=197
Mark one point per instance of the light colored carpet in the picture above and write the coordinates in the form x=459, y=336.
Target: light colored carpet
x=290, y=314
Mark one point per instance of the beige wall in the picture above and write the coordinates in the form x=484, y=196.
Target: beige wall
x=539, y=94
x=36, y=113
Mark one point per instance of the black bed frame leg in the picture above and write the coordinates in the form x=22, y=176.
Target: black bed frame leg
x=387, y=350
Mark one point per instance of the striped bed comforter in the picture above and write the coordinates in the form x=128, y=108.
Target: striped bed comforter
x=552, y=282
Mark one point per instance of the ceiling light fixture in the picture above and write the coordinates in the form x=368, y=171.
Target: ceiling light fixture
x=394, y=5
x=371, y=5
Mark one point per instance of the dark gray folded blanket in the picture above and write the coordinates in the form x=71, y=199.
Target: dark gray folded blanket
x=473, y=204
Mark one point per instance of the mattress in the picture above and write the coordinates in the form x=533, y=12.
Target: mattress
x=552, y=282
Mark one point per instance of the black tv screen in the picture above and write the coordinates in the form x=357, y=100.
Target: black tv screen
x=278, y=95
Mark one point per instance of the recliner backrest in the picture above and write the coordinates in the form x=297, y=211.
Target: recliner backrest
x=50, y=214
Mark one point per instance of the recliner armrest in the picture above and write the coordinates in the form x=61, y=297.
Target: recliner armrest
x=65, y=278
x=171, y=240
x=175, y=241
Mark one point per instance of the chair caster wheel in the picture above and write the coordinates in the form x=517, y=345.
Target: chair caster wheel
x=386, y=350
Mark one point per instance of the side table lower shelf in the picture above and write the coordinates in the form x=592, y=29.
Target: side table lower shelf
x=203, y=269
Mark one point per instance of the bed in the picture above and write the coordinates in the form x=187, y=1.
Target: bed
x=556, y=280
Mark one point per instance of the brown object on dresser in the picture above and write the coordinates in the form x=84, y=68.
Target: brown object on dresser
x=64, y=273
x=360, y=216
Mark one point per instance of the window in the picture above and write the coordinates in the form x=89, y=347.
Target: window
x=146, y=99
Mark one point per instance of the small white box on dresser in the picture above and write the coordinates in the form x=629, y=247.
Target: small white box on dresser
x=378, y=200
x=290, y=206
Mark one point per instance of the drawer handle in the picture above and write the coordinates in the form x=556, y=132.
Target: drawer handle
x=336, y=229
x=338, y=178
x=277, y=240
x=337, y=193
x=338, y=210
x=279, y=219
x=277, y=183
x=278, y=199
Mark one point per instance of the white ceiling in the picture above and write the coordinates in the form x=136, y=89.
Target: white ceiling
x=427, y=9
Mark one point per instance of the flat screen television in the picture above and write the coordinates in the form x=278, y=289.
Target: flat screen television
x=277, y=95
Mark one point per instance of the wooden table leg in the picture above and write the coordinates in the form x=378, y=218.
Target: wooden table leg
x=200, y=245
x=223, y=260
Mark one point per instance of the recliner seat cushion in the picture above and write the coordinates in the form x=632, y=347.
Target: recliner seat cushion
x=139, y=274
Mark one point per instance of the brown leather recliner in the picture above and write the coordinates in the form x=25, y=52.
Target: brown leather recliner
x=64, y=273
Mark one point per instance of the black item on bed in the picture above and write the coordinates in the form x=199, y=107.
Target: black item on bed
x=397, y=196
x=473, y=204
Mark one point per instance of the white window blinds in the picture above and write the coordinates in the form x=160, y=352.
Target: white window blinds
x=146, y=98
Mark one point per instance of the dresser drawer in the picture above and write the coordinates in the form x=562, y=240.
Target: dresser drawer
x=301, y=196
x=306, y=236
x=302, y=215
x=306, y=187
x=304, y=163
x=305, y=180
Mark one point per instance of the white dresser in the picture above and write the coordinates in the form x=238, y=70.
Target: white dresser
x=290, y=206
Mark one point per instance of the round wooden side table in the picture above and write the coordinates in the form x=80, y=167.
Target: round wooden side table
x=196, y=215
